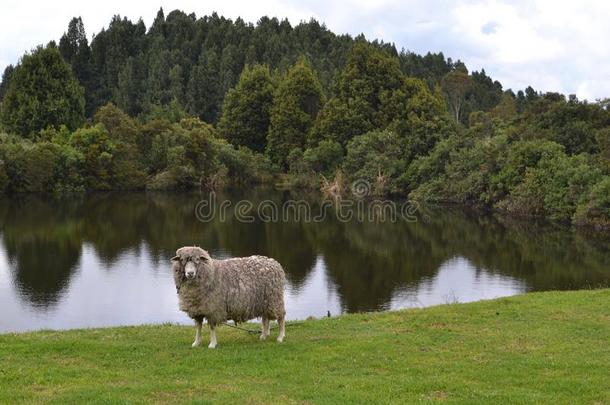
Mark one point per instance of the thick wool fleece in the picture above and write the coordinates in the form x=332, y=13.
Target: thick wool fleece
x=233, y=289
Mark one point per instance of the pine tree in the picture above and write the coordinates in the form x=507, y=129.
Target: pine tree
x=176, y=84
x=129, y=89
x=204, y=92
x=74, y=48
x=110, y=51
x=6, y=78
x=158, y=92
x=73, y=41
x=230, y=66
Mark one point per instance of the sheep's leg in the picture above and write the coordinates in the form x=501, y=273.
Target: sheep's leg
x=282, y=324
x=212, y=344
x=198, y=322
x=265, y=328
x=268, y=327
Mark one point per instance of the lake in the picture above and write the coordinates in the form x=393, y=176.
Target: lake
x=103, y=259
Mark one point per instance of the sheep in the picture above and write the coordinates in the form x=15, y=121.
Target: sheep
x=238, y=289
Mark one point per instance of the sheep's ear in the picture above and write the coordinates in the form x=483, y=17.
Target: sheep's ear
x=203, y=258
x=175, y=258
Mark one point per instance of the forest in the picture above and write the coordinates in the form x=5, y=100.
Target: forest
x=207, y=102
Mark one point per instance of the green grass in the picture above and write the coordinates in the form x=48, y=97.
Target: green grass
x=536, y=348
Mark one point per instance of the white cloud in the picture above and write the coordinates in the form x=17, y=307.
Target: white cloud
x=515, y=38
x=551, y=45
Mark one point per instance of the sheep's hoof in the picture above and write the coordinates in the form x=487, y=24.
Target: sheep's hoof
x=262, y=336
x=196, y=343
x=280, y=339
x=212, y=346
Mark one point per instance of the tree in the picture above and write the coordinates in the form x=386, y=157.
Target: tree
x=603, y=141
x=204, y=92
x=97, y=149
x=128, y=92
x=120, y=126
x=506, y=108
x=416, y=115
x=340, y=122
x=230, y=66
x=176, y=84
x=158, y=86
x=483, y=95
x=531, y=94
x=377, y=158
x=430, y=67
x=572, y=124
x=74, y=48
x=42, y=92
x=6, y=78
x=554, y=187
x=324, y=158
x=456, y=85
x=368, y=75
x=72, y=42
x=246, y=109
x=111, y=48
x=296, y=103
x=127, y=160
x=595, y=209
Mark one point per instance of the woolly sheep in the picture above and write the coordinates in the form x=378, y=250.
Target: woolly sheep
x=238, y=289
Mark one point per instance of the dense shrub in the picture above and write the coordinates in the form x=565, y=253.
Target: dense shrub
x=376, y=157
x=97, y=149
x=554, y=187
x=524, y=177
x=594, y=208
x=324, y=158
x=39, y=167
x=243, y=165
x=521, y=155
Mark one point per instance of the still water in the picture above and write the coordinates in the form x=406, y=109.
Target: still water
x=102, y=260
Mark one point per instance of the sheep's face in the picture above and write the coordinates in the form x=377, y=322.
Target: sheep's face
x=191, y=260
x=191, y=265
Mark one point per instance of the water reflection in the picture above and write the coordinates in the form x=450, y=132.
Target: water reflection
x=103, y=259
x=457, y=280
x=33, y=228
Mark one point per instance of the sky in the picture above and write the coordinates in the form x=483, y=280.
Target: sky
x=551, y=45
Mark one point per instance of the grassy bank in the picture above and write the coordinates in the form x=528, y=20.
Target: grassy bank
x=543, y=347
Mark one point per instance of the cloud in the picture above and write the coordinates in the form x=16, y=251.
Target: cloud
x=551, y=45
x=515, y=39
